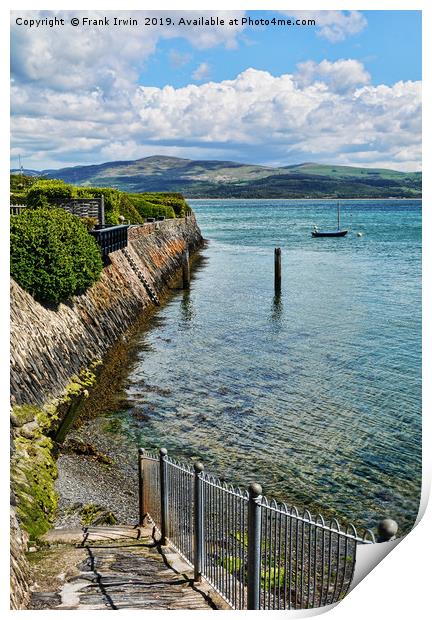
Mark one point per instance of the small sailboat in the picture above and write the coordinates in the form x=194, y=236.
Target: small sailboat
x=330, y=233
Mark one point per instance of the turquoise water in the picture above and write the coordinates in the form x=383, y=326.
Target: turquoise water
x=314, y=393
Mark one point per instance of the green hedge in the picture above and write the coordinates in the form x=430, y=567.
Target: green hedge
x=170, y=199
x=49, y=194
x=128, y=210
x=52, y=255
x=44, y=193
x=147, y=208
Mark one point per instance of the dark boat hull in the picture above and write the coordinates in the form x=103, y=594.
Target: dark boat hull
x=335, y=233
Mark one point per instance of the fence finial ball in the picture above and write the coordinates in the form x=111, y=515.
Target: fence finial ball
x=387, y=529
x=163, y=451
x=255, y=489
x=141, y=451
x=198, y=466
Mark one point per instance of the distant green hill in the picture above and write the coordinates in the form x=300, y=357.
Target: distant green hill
x=227, y=179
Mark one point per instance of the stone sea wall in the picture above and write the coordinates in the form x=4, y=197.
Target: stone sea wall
x=49, y=346
x=20, y=570
x=54, y=356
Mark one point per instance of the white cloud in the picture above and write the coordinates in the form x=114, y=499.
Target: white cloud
x=202, y=72
x=70, y=58
x=313, y=120
x=76, y=99
x=341, y=76
x=334, y=26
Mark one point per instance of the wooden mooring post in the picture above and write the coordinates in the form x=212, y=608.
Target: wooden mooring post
x=186, y=269
x=278, y=269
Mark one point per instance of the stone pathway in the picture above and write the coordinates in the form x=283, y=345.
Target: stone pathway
x=114, y=568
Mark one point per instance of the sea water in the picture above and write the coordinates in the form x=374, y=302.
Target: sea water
x=314, y=393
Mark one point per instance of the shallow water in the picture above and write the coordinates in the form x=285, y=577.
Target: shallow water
x=314, y=393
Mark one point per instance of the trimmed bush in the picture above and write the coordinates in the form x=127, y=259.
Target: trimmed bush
x=146, y=208
x=128, y=210
x=170, y=199
x=52, y=193
x=52, y=255
x=45, y=193
x=49, y=193
x=89, y=222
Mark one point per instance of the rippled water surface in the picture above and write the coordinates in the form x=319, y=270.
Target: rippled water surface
x=315, y=393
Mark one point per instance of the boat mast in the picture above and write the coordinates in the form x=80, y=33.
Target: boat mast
x=338, y=216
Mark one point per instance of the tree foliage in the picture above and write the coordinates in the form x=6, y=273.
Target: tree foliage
x=21, y=182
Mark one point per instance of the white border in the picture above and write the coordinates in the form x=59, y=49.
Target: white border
x=400, y=586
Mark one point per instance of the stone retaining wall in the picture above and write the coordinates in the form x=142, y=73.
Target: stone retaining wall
x=49, y=346
x=20, y=570
x=53, y=353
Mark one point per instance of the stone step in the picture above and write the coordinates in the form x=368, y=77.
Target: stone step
x=119, y=567
x=95, y=533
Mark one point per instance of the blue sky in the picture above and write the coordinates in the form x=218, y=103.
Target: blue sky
x=389, y=47
x=346, y=91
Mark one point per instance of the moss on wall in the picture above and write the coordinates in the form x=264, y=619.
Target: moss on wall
x=33, y=472
x=33, y=467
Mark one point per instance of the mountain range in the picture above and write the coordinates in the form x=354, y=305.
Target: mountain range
x=227, y=179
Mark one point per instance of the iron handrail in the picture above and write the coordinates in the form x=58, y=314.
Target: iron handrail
x=255, y=552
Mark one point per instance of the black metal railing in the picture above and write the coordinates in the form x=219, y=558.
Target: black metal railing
x=111, y=239
x=255, y=552
x=225, y=539
x=305, y=562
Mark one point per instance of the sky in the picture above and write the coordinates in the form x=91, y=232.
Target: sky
x=344, y=91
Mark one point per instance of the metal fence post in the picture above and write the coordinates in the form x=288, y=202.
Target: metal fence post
x=254, y=546
x=141, y=501
x=387, y=530
x=163, y=495
x=198, y=521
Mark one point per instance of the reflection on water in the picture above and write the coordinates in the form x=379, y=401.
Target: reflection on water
x=277, y=309
x=186, y=309
x=314, y=391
